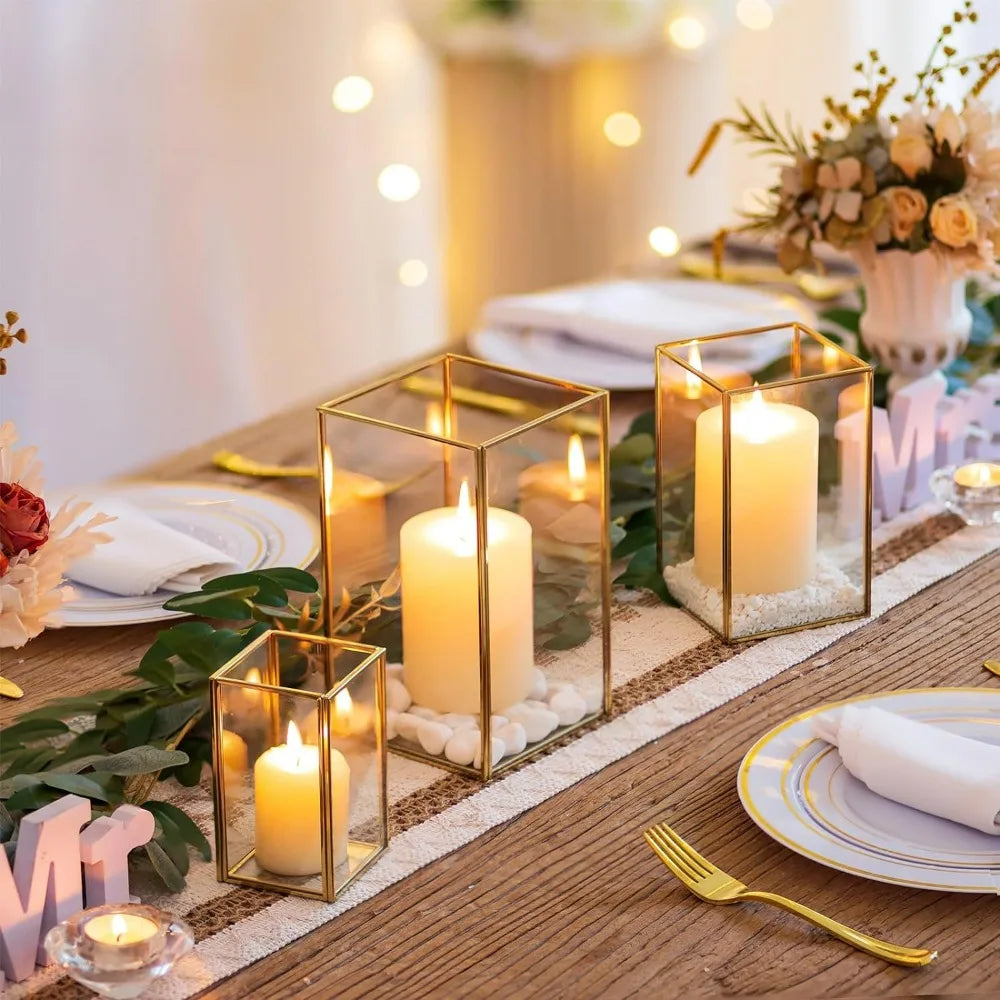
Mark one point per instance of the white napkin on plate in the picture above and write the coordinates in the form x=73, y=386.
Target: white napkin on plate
x=144, y=556
x=917, y=764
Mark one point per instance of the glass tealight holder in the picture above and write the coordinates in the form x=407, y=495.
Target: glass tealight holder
x=971, y=491
x=299, y=759
x=467, y=504
x=118, y=950
x=764, y=489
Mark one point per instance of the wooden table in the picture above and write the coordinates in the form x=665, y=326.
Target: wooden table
x=567, y=901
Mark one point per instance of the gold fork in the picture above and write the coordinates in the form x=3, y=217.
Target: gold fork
x=713, y=885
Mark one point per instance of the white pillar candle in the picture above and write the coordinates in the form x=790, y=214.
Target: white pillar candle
x=773, y=488
x=440, y=587
x=287, y=816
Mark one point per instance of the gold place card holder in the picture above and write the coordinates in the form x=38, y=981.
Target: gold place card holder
x=763, y=528
x=299, y=757
x=470, y=502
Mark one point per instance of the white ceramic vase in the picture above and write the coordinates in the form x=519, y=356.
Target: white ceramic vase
x=915, y=319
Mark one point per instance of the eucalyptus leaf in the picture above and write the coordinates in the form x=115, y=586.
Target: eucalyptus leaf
x=29, y=730
x=141, y=760
x=164, y=867
x=6, y=823
x=170, y=718
x=170, y=839
x=187, y=827
x=633, y=450
x=77, y=784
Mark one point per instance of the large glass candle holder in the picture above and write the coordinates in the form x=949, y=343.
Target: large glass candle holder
x=299, y=755
x=490, y=585
x=763, y=466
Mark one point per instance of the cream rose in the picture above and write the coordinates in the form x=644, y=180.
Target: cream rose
x=949, y=128
x=911, y=153
x=953, y=222
x=907, y=207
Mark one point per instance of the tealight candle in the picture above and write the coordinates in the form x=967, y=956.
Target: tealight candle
x=774, y=461
x=440, y=584
x=288, y=837
x=976, y=477
x=120, y=940
x=574, y=480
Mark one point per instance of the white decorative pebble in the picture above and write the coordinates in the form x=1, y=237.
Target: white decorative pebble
x=423, y=713
x=539, y=685
x=532, y=703
x=496, y=721
x=593, y=697
x=433, y=736
x=537, y=722
x=390, y=724
x=394, y=670
x=515, y=739
x=497, y=750
x=568, y=705
x=406, y=725
x=462, y=747
x=396, y=695
x=457, y=721
x=559, y=686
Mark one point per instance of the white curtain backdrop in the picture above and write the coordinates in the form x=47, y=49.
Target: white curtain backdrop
x=190, y=231
x=194, y=236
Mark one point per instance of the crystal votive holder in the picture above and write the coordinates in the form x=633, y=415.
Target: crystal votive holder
x=763, y=473
x=118, y=950
x=971, y=491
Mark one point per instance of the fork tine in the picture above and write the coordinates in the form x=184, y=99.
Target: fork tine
x=687, y=851
x=668, y=860
x=664, y=848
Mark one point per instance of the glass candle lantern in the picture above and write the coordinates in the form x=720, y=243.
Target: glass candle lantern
x=299, y=759
x=489, y=570
x=764, y=480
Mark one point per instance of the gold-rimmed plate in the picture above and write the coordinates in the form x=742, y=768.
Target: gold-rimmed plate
x=254, y=528
x=796, y=789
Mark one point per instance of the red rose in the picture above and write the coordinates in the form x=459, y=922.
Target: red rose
x=4, y=563
x=24, y=521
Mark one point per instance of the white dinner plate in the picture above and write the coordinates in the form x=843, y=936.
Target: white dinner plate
x=255, y=529
x=796, y=789
x=604, y=333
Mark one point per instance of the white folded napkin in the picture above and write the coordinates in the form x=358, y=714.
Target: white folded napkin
x=144, y=556
x=632, y=317
x=918, y=764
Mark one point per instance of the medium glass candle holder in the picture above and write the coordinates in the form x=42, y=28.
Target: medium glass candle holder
x=971, y=491
x=764, y=489
x=299, y=756
x=118, y=950
x=491, y=563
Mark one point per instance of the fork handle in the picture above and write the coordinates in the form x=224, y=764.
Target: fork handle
x=863, y=942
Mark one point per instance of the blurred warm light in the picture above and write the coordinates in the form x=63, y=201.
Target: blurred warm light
x=622, y=128
x=692, y=384
x=755, y=14
x=390, y=46
x=686, y=32
x=412, y=273
x=664, y=241
x=831, y=358
x=353, y=93
x=398, y=182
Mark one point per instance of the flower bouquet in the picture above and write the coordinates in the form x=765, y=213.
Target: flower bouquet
x=35, y=547
x=914, y=198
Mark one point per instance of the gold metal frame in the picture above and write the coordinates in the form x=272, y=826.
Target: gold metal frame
x=854, y=365
x=375, y=659
x=417, y=379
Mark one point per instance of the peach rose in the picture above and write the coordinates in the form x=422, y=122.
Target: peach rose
x=953, y=222
x=912, y=153
x=907, y=207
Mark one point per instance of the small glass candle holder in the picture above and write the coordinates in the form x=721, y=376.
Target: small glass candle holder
x=493, y=494
x=119, y=949
x=763, y=468
x=971, y=491
x=299, y=761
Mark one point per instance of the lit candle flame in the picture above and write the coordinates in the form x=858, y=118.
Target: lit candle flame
x=831, y=358
x=466, y=519
x=253, y=676
x=692, y=384
x=342, y=704
x=435, y=419
x=119, y=927
x=294, y=742
x=576, y=466
x=982, y=475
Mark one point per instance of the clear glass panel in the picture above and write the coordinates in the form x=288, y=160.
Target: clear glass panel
x=505, y=473
x=796, y=514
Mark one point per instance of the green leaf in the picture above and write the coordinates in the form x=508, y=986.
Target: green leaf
x=266, y=591
x=139, y=724
x=574, y=631
x=158, y=672
x=164, y=867
x=226, y=604
x=30, y=797
x=76, y=784
x=848, y=319
x=170, y=839
x=634, y=540
x=633, y=450
x=296, y=580
x=170, y=718
x=141, y=760
x=645, y=423
x=29, y=730
x=6, y=823
x=187, y=826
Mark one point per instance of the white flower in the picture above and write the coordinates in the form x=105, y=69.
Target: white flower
x=953, y=221
x=949, y=128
